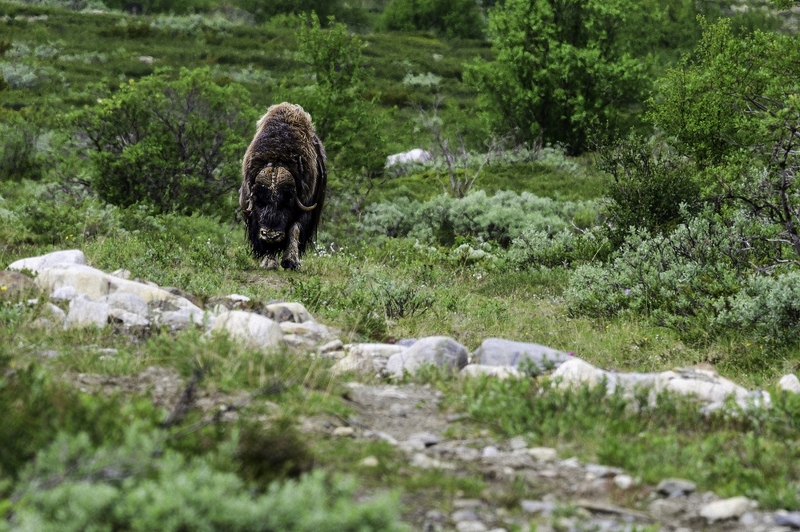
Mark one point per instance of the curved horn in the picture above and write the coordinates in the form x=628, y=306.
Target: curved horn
x=304, y=208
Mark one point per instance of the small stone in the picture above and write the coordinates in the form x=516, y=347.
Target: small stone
x=789, y=383
x=423, y=461
x=464, y=514
x=790, y=519
x=675, y=487
x=623, y=482
x=369, y=461
x=490, y=451
x=84, y=312
x=121, y=273
x=517, y=443
x=64, y=293
x=48, y=353
x=498, y=372
x=253, y=330
x=543, y=454
x=426, y=438
x=726, y=509
x=344, y=432
x=537, y=507
x=334, y=345
x=471, y=526
x=438, y=351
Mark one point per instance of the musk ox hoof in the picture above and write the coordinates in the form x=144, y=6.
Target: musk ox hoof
x=269, y=263
x=289, y=264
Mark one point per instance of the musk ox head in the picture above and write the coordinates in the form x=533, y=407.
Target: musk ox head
x=283, y=185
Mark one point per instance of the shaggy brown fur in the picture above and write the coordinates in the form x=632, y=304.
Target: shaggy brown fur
x=285, y=154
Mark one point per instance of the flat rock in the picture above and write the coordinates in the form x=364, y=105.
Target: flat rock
x=542, y=454
x=128, y=302
x=789, y=383
x=438, y=351
x=95, y=284
x=577, y=372
x=56, y=258
x=128, y=319
x=673, y=487
x=84, y=312
x=180, y=319
x=253, y=330
x=498, y=372
x=310, y=329
x=499, y=352
x=790, y=519
x=726, y=509
x=295, y=312
x=705, y=386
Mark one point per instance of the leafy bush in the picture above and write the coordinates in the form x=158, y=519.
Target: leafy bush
x=767, y=308
x=19, y=156
x=140, y=485
x=499, y=218
x=652, y=187
x=533, y=248
x=23, y=76
x=450, y=18
x=174, y=145
x=733, y=108
x=670, y=278
x=560, y=66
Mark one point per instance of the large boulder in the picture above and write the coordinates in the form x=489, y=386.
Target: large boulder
x=439, y=351
x=252, y=330
x=56, y=258
x=96, y=284
x=84, y=312
x=499, y=352
x=417, y=155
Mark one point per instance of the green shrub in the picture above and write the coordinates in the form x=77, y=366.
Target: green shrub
x=450, y=18
x=672, y=278
x=534, y=248
x=20, y=157
x=767, y=309
x=499, y=218
x=560, y=67
x=140, y=485
x=651, y=188
x=173, y=145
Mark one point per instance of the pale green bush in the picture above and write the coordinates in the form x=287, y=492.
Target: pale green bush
x=499, y=218
x=768, y=308
x=670, y=278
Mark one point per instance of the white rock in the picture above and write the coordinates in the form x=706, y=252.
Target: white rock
x=295, y=312
x=121, y=273
x=623, y=482
x=726, y=509
x=412, y=156
x=423, y=461
x=128, y=319
x=354, y=364
x=64, y=293
x=127, y=302
x=543, y=454
x=95, y=284
x=56, y=258
x=310, y=329
x=471, y=526
x=84, y=312
x=53, y=312
x=253, y=330
x=237, y=298
x=370, y=461
x=333, y=345
x=498, y=372
x=375, y=350
x=180, y=319
x=705, y=386
x=439, y=351
x=576, y=372
x=790, y=383
x=344, y=432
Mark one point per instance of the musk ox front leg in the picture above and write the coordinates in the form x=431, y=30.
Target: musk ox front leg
x=291, y=256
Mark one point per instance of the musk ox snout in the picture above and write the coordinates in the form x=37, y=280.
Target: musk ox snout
x=270, y=236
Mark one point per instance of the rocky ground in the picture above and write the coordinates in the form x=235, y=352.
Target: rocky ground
x=573, y=495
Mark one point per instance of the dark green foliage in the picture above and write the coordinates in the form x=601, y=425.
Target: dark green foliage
x=272, y=453
x=450, y=18
x=173, y=145
x=19, y=156
x=560, y=68
x=651, y=188
x=733, y=108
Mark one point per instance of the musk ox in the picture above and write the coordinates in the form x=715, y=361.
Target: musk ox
x=283, y=186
